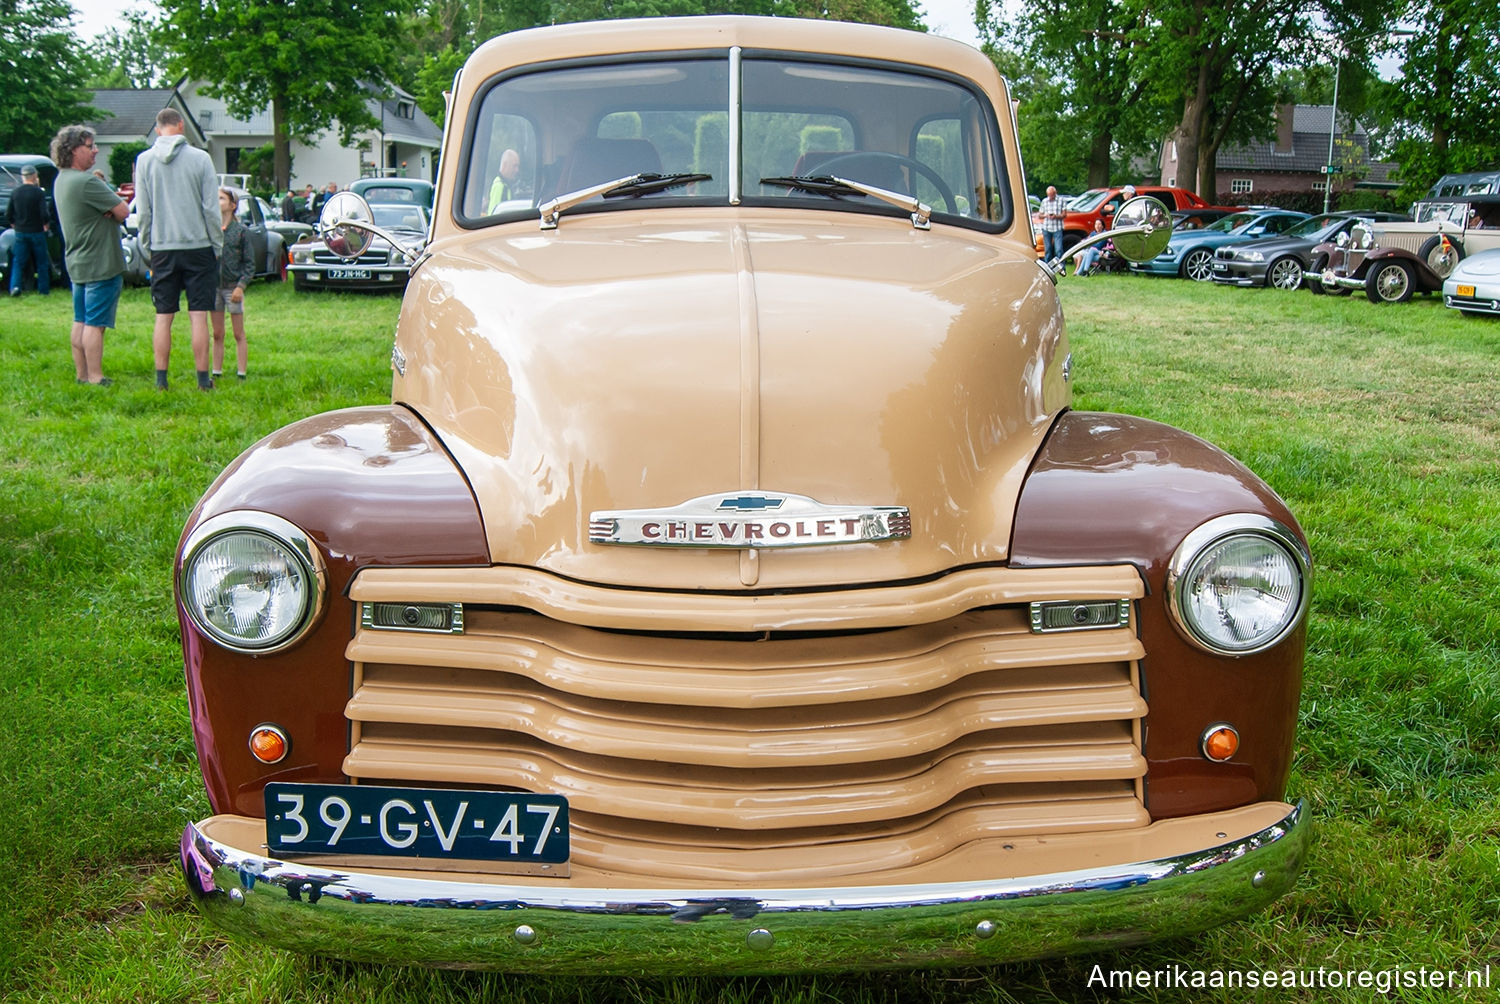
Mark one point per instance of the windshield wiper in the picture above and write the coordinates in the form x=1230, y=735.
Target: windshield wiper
x=819, y=185
x=834, y=188
x=630, y=185
x=645, y=184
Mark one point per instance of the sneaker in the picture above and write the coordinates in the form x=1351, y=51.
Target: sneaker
x=240, y=377
x=101, y=382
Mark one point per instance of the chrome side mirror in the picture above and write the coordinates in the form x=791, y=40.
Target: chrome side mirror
x=339, y=225
x=1140, y=231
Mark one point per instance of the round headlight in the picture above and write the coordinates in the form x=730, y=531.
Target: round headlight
x=252, y=581
x=1238, y=584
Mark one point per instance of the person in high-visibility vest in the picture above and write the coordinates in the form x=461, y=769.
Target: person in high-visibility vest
x=504, y=185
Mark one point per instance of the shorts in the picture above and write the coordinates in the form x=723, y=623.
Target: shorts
x=224, y=305
x=195, y=270
x=94, y=303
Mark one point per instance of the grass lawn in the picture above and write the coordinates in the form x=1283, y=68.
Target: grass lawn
x=1379, y=425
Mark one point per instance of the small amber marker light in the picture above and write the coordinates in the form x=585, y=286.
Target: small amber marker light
x=269, y=744
x=1220, y=742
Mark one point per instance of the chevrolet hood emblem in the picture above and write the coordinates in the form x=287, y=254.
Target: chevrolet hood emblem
x=750, y=520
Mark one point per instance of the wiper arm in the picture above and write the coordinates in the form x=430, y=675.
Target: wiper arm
x=833, y=187
x=645, y=184
x=630, y=185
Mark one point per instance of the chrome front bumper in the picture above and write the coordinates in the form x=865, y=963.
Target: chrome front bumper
x=559, y=928
x=1331, y=280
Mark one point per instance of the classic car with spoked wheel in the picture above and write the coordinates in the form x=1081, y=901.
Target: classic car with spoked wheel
x=1190, y=255
x=1392, y=261
x=729, y=585
x=381, y=266
x=1281, y=261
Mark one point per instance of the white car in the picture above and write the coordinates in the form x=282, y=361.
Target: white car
x=1473, y=287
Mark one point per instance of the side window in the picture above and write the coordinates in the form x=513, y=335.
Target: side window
x=506, y=158
x=245, y=212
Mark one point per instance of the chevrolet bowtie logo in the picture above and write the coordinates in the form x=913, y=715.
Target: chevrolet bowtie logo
x=750, y=503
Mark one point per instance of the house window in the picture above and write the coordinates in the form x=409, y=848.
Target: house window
x=406, y=110
x=1241, y=186
x=1174, y=150
x=206, y=118
x=1171, y=182
x=1320, y=185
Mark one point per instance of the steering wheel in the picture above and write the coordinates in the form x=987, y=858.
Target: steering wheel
x=880, y=156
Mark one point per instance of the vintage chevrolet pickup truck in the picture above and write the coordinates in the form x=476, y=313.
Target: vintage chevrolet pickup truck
x=729, y=586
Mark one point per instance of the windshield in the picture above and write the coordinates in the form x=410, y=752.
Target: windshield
x=1232, y=222
x=1315, y=226
x=1088, y=201
x=399, y=217
x=1433, y=212
x=547, y=134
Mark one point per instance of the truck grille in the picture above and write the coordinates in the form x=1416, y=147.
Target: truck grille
x=736, y=755
x=321, y=256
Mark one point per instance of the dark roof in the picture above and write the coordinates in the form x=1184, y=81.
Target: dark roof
x=1309, y=149
x=133, y=113
x=417, y=129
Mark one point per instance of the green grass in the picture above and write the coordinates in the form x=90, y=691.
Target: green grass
x=1379, y=425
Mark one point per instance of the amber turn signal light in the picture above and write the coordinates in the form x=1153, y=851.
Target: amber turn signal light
x=1220, y=742
x=269, y=744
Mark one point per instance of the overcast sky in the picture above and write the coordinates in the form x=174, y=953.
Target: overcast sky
x=949, y=18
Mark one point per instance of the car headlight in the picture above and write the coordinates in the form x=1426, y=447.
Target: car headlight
x=1238, y=584
x=1251, y=256
x=302, y=256
x=251, y=581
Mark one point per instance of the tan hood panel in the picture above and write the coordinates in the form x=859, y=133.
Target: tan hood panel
x=637, y=360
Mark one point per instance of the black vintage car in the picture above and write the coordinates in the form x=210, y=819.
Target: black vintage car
x=10, y=176
x=1282, y=260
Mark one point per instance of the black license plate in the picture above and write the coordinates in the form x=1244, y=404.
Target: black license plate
x=416, y=822
x=348, y=273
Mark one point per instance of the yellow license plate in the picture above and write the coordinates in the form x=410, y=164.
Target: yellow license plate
x=1465, y=290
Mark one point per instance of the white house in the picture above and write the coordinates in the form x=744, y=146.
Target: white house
x=403, y=144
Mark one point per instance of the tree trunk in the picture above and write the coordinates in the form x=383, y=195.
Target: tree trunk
x=1099, y=160
x=281, y=143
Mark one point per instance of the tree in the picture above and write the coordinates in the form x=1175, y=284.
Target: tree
x=1213, y=60
x=129, y=57
x=1449, y=113
x=303, y=58
x=42, y=71
x=1096, y=84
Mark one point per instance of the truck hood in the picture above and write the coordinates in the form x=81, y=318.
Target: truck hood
x=616, y=364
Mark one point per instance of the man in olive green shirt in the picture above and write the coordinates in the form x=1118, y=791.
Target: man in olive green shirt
x=90, y=214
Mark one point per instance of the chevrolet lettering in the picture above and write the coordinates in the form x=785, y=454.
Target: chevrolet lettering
x=742, y=521
x=730, y=585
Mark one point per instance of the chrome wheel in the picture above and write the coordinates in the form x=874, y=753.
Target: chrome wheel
x=1285, y=273
x=1390, y=282
x=1198, y=265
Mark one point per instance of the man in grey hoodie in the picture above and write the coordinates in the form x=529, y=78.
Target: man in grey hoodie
x=177, y=198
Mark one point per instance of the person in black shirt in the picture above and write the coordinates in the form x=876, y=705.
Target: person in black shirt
x=28, y=217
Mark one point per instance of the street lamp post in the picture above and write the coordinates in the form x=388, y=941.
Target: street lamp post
x=1333, y=125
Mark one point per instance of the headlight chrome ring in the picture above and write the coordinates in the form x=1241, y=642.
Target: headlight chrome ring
x=252, y=582
x=1238, y=584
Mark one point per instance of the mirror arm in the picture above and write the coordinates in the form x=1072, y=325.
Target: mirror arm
x=1089, y=242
